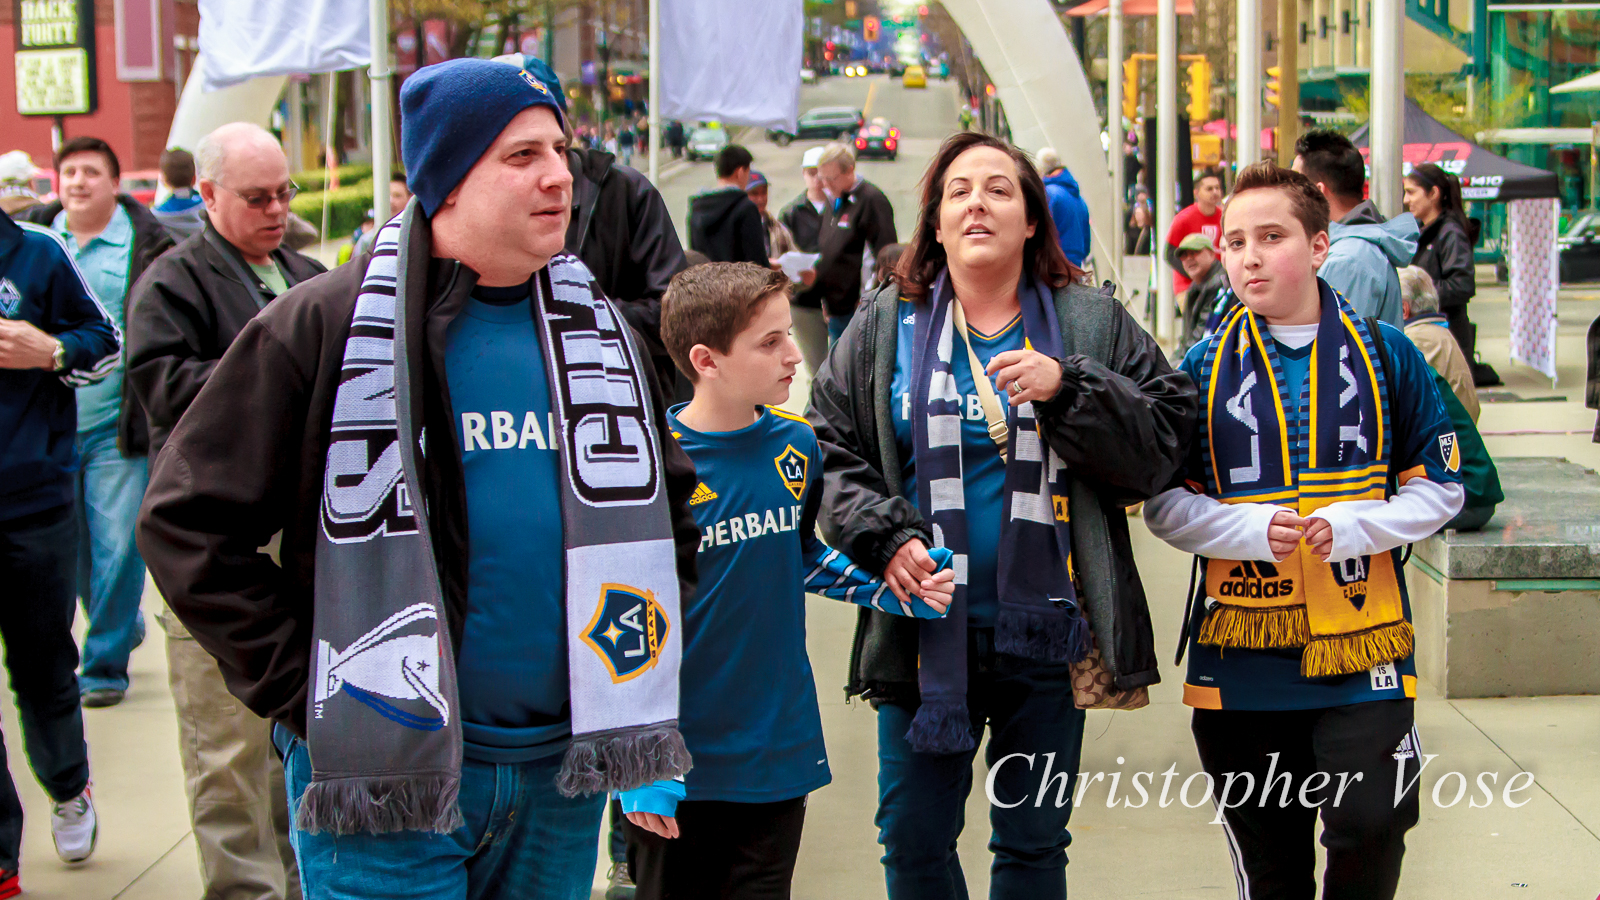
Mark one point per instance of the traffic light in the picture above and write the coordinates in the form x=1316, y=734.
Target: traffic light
x=869, y=29
x=1130, y=89
x=1199, y=90
x=1272, y=85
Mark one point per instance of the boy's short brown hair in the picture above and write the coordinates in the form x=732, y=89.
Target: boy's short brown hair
x=711, y=303
x=1307, y=203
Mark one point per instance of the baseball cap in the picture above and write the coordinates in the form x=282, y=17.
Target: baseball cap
x=756, y=180
x=812, y=159
x=1194, y=243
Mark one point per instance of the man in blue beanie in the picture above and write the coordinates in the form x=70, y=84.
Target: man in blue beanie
x=473, y=631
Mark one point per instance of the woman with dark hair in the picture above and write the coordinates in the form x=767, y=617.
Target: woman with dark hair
x=1445, y=252
x=985, y=403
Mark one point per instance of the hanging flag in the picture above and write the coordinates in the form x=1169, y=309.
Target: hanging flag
x=732, y=61
x=245, y=39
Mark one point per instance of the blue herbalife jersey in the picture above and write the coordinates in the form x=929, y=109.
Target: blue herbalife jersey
x=1236, y=678
x=748, y=703
x=983, y=472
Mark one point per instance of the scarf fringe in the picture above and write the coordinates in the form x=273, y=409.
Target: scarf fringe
x=1346, y=654
x=623, y=760
x=380, y=805
x=1256, y=629
x=941, y=726
x=1051, y=636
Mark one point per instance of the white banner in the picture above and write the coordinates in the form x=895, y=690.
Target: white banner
x=245, y=39
x=1535, y=262
x=733, y=61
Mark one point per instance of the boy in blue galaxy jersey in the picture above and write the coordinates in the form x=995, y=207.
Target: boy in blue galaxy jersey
x=731, y=828
x=1322, y=449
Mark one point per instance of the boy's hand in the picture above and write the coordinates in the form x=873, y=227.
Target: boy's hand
x=1319, y=537
x=938, y=590
x=665, y=826
x=1285, y=532
x=909, y=569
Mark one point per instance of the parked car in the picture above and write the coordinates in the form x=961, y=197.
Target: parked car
x=915, y=77
x=142, y=185
x=1580, y=249
x=878, y=138
x=823, y=123
x=705, y=143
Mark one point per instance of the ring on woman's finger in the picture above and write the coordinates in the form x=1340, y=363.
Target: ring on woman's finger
x=1016, y=387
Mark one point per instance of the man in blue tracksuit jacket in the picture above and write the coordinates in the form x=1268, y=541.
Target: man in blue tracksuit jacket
x=1067, y=207
x=54, y=336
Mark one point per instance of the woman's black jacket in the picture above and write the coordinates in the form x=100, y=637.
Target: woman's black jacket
x=1122, y=422
x=1444, y=252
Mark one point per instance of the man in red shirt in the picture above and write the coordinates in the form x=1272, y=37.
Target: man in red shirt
x=1204, y=217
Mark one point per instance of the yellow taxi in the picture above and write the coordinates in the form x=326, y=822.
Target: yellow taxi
x=915, y=77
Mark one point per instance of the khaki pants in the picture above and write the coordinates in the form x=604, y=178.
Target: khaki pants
x=234, y=780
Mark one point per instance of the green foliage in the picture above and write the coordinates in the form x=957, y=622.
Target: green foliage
x=317, y=179
x=1447, y=102
x=348, y=207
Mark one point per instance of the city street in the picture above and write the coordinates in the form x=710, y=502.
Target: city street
x=1547, y=848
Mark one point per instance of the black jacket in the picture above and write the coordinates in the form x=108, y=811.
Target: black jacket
x=1122, y=421
x=1201, y=301
x=247, y=460
x=804, y=221
x=622, y=231
x=725, y=225
x=1444, y=252
x=150, y=240
x=185, y=313
x=863, y=218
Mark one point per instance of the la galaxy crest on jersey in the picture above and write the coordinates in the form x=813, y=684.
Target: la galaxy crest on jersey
x=792, y=465
x=628, y=631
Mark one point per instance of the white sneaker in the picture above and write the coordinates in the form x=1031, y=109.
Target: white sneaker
x=74, y=827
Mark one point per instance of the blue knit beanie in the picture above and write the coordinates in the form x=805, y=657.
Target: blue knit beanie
x=450, y=114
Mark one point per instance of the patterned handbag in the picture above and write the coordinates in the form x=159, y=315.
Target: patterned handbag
x=1092, y=686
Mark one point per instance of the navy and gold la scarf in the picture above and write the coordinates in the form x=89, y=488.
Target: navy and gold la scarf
x=1328, y=445
x=1039, y=617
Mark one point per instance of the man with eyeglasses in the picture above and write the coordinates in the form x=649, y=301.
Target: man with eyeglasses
x=186, y=311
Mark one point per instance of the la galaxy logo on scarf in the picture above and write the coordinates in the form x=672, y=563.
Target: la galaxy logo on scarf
x=628, y=631
x=392, y=669
x=791, y=465
x=10, y=299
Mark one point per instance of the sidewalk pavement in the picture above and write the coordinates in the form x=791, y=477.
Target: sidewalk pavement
x=1548, y=848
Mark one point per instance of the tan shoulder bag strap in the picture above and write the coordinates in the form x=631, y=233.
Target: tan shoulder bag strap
x=992, y=414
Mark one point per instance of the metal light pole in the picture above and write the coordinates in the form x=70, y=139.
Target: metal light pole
x=1289, y=79
x=1388, y=104
x=655, y=91
x=1114, y=51
x=382, y=113
x=1166, y=158
x=1247, y=103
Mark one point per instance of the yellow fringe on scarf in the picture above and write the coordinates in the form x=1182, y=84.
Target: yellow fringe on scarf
x=1346, y=654
x=1255, y=628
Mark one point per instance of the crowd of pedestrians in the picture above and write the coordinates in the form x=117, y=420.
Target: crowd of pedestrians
x=500, y=522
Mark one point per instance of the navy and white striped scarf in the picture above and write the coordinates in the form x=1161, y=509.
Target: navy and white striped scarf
x=1039, y=617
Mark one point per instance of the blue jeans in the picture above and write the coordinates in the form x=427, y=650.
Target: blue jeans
x=521, y=840
x=110, y=570
x=1028, y=709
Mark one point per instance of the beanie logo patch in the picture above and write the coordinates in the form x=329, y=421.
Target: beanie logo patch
x=535, y=83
